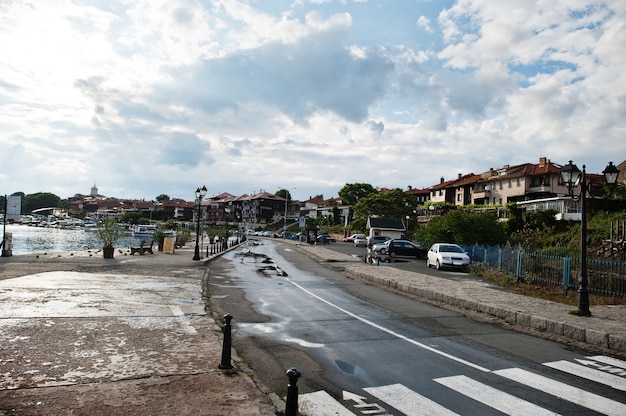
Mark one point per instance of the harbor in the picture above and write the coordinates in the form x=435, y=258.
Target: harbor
x=39, y=240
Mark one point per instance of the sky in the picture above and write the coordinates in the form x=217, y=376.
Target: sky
x=151, y=97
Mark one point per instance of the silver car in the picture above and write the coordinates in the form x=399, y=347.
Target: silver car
x=447, y=255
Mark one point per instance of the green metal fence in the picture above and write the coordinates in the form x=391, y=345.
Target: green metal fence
x=604, y=277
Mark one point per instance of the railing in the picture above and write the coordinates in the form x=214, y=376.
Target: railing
x=605, y=277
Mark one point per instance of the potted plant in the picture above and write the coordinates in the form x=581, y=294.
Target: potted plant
x=182, y=236
x=109, y=233
x=159, y=236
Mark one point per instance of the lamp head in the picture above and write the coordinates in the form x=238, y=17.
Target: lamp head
x=610, y=174
x=570, y=175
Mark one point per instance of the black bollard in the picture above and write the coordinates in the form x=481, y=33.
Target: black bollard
x=207, y=251
x=291, y=408
x=225, y=364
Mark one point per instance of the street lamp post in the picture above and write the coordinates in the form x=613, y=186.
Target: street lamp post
x=200, y=193
x=285, y=218
x=573, y=177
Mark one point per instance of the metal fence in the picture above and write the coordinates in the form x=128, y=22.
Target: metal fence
x=604, y=277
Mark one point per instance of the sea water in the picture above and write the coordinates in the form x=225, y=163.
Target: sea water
x=30, y=240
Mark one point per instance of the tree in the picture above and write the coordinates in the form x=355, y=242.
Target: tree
x=464, y=227
x=40, y=200
x=162, y=197
x=351, y=193
x=284, y=193
x=390, y=204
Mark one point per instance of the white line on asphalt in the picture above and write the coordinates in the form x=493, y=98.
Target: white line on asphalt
x=610, y=361
x=320, y=403
x=494, y=398
x=408, y=401
x=389, y=331
x=565, y=392
x=598, y=376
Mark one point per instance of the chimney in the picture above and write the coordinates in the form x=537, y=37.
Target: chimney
x=460, y=176
x=442, y=180
x=542, y=161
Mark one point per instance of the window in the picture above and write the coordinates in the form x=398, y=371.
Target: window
x=510, y=183
x=500, y=185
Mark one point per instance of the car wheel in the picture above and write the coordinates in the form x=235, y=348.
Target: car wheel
x=392, y=254
x=438, y=265
x=427, y=263
x=383, y=251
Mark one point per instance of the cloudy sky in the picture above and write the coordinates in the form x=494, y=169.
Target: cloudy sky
x=151, y=97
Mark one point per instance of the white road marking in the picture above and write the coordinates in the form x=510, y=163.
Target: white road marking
x=610, y=361
x=494, y=398
x=565, y=392
x=408, y=401
x=184, y=322
x=389, y=331
x=598, y=376
x=320, y=403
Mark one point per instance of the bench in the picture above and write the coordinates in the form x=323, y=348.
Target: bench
x=143, y=248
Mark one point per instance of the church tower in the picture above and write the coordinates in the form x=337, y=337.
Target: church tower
x=94, y=191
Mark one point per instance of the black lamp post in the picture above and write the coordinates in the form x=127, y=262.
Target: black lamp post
x=200, y=193
x=573, y=177
x=287, y=196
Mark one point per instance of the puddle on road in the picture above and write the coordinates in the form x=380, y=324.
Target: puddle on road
x=353, y=370
x=265, y=271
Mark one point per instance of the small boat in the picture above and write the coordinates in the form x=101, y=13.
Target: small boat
x=141, y=230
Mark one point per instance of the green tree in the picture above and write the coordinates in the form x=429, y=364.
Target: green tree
x=40, y=200
x=464, y=227
x=351, y=193
x=284, y=193
x=390, y=204
x=162, y=197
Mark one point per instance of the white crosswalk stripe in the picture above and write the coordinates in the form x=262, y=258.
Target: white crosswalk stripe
x=598, y=376
x=499, y=400
x=566, y=392
x=408, y=401
x=610, y=361
x=599, y=369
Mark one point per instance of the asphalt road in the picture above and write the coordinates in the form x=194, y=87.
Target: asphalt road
x=345, y=336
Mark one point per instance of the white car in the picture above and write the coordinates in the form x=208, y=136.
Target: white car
x=351, y=238
x=447, y=255
x=360, y=241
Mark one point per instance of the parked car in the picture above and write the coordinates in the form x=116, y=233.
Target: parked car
x=447, y=255
x=360, y=241
x=376, y=239
x=399, y=248
x=351, y=238
x=325, y=239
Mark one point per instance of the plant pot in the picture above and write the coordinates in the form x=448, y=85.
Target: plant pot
x=107, y=252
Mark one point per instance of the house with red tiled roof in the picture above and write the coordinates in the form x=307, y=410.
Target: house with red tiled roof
x=443, y=191
x=420, y=196
x=176, y=209
x=263, y=208
x=527, y=181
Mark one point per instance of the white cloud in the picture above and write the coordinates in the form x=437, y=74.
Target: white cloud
x=247, y=95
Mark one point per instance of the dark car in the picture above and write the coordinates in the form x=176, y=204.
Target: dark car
x=401, y=248
x=325, y=239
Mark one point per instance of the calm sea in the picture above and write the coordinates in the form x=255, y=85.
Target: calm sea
x=29, y=240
